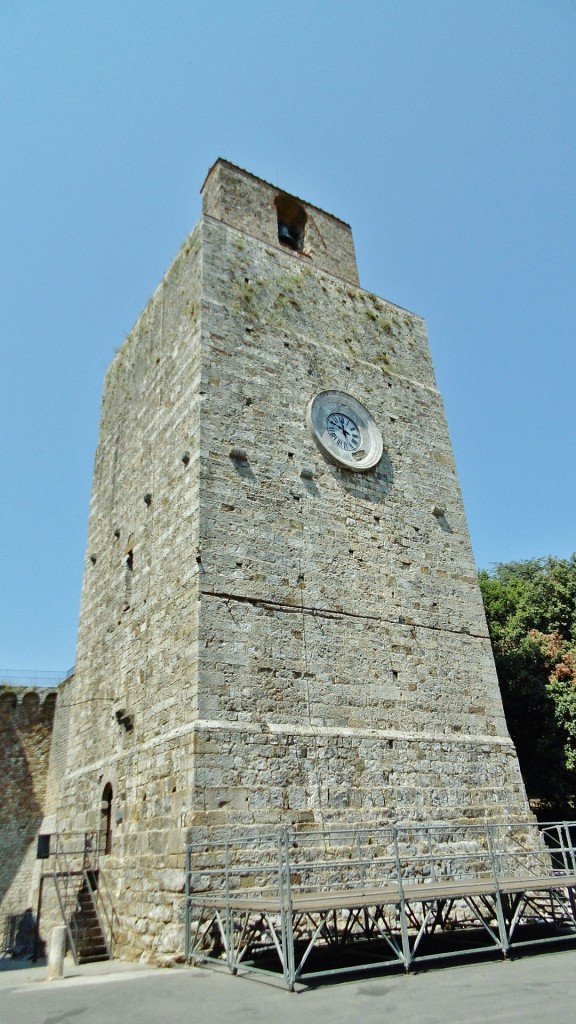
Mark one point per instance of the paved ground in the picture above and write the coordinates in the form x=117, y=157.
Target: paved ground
x=533, y=989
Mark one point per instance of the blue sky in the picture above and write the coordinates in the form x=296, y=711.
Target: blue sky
x=443, y=131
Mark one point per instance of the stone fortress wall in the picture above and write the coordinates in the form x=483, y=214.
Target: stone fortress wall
x=26, y=719
x=266, y=637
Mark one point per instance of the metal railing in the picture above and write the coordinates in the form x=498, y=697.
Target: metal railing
x=33, y=677
x=353, y=858
x=106, y=912
x=74, y=867
x=19, y=937
x=277, y=893
x=66, y=884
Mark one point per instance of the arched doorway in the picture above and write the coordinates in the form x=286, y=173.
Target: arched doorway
x=106, y=818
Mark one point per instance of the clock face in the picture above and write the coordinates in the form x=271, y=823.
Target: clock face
x=344, y=431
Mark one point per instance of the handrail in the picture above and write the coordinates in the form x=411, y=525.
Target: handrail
x=77, y=855
x=417, y=853
x=104, y=900
x=63, y=871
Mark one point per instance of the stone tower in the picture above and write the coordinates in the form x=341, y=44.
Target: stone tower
x=281, y=620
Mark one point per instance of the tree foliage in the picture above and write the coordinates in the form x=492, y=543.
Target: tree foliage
x=531, y=612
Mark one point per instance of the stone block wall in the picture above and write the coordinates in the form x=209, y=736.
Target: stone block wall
x=247, y=203
x=328, y=597
x=26, y=718
x=136, y=658
x=322, y=777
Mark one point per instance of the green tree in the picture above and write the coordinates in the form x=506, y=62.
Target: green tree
x=531, y=612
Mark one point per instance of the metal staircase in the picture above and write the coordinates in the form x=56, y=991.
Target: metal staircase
x=83, y=896
x=89, y=936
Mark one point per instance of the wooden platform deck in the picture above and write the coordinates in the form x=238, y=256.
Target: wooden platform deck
x=384, y=895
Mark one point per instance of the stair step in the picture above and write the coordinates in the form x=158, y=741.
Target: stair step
x=81, y=912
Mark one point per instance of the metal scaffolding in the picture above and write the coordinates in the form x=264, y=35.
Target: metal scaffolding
x=307, y=905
